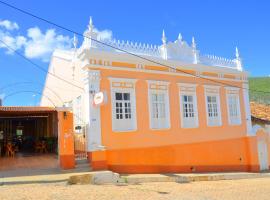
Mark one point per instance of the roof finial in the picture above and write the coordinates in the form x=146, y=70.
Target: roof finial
x=75, y=41
x=164, y=39
x=90, y=25
x=180, y=38
x=237, y=55
x=238, y=60
x=193, y=43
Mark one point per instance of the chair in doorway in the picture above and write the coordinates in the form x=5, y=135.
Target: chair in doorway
x=43, y=147
x=10, y=150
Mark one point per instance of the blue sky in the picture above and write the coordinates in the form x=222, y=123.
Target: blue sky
x=218, y=26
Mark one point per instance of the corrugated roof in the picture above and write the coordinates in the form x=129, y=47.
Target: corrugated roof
x=260, y=111
x=26, y=109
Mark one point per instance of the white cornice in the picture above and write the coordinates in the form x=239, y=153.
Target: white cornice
x=126, y=58
x=88, y=67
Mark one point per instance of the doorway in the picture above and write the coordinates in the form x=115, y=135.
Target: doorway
x=29, y=139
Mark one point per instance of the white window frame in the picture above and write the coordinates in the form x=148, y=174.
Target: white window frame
x=123, y=85
x=187, y=89
x=160, y=88
x=233, y=92
x=211, y=90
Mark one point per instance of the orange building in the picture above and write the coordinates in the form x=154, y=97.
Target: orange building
x=164, y=108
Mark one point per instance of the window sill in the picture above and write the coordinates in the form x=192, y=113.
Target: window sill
x=218, y=125
x=124, y=131
x=160, y=129
x=193, y=127
x=235, y=124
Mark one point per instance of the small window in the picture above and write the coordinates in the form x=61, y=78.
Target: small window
x=188, y=105
x=189, y=110
x=233, y=109
x=213, y=111
x=212, y=106
x=123, y=102
x=122, y=105
x=158, y=105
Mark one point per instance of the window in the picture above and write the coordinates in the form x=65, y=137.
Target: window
x=233, y=107
x=123, y=104
x=159, y=105
x=213, y=106
x=188, y=105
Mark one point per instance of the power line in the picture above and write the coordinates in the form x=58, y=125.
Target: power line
x=30, y=82
x=119, y=49
x=28, y=91
x=39, y=67
x=41, y=94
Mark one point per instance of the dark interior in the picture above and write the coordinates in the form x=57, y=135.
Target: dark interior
x=28, y=133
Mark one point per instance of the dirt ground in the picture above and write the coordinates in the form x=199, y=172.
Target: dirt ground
x=230, y=189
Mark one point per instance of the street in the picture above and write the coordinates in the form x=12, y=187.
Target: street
x=206, y=190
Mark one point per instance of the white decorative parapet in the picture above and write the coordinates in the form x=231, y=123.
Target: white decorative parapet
x=218, y=61
x=134, y=47
x=179, y=50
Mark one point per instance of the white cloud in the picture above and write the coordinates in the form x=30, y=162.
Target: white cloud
x=15, y=43
x=104, y=34
x=37, y=44
x=9, y=25
x=41, y=45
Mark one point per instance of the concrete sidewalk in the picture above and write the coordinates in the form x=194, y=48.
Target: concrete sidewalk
x=114, y=178
x=27, y=176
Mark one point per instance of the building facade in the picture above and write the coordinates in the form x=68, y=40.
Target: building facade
x=148, y=108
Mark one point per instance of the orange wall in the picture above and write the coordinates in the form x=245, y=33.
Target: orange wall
x=143, y=136
x=197, y=157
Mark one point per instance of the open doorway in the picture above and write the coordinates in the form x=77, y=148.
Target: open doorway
x=28, y=138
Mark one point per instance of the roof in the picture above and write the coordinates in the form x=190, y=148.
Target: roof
x=260, y=111
x=26, y=109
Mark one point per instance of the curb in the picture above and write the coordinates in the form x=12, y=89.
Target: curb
x=109, y=177
x=186, y=178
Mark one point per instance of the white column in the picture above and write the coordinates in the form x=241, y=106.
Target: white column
x=247, y=108
x=93, y=124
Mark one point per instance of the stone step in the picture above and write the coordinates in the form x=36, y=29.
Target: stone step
x=83, y=161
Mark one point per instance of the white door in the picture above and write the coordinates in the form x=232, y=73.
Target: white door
x=263, y=155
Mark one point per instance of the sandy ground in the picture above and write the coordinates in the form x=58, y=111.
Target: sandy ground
x=233, y=189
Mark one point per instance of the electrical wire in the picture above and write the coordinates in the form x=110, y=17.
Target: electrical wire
x=39, y=67
x=122, y=50
x=31, y=82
